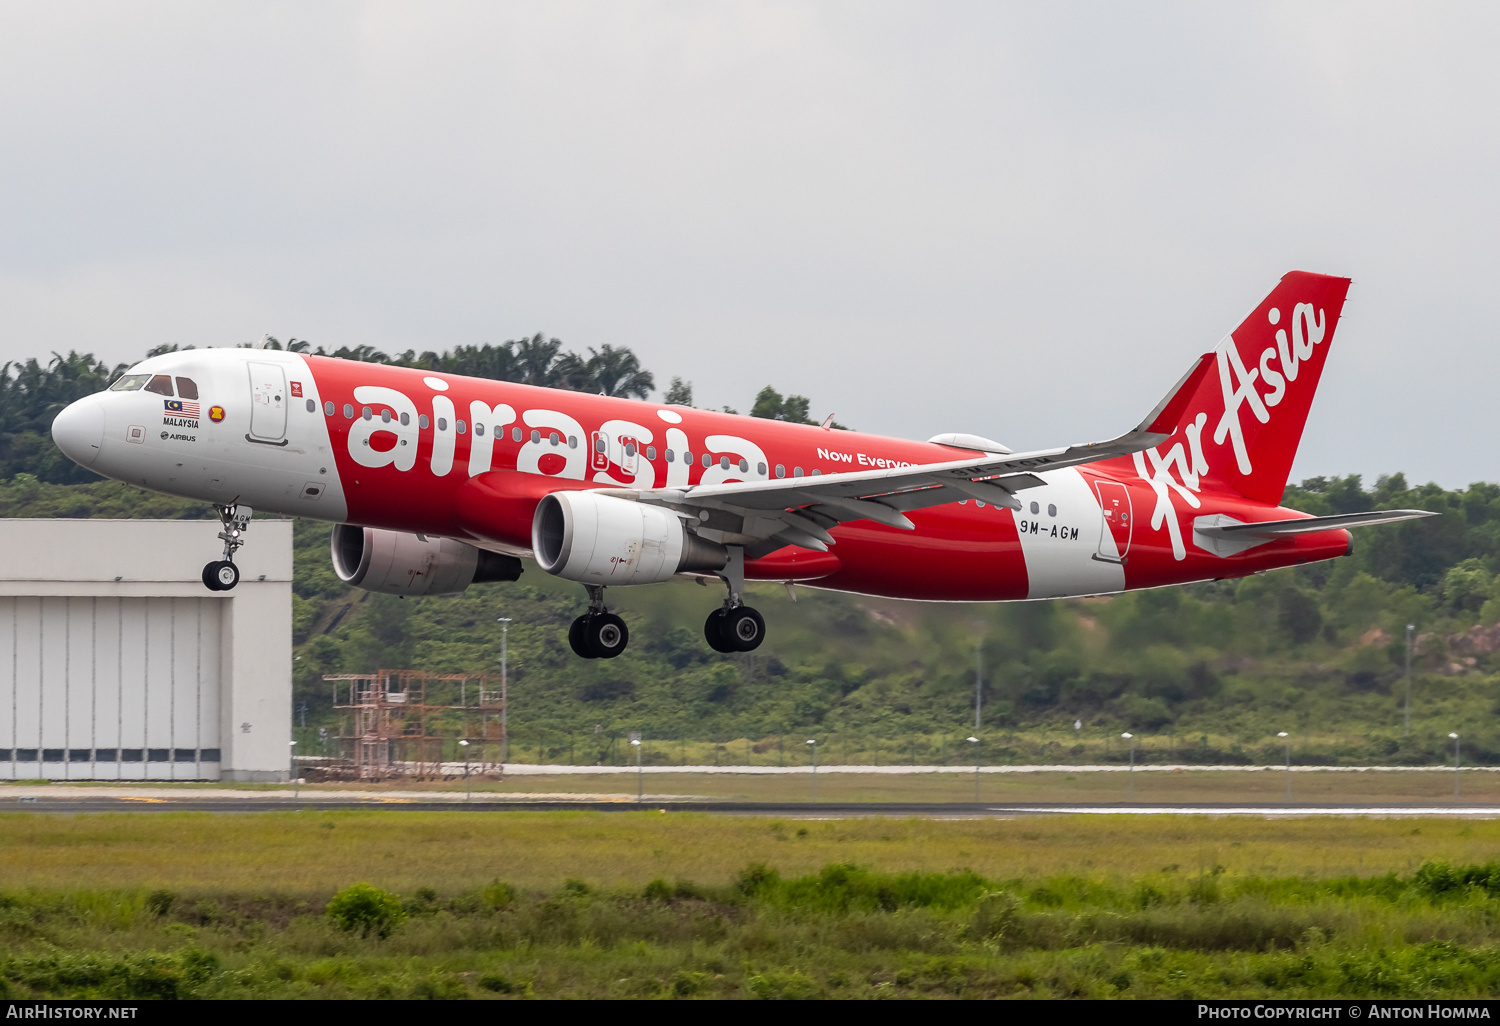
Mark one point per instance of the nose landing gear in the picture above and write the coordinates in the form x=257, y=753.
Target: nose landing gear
x=734, y=627
x=222, y=574
x=598, y=634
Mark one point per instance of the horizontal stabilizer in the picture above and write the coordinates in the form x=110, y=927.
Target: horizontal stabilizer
x=1224, y=536
x=1307, y=525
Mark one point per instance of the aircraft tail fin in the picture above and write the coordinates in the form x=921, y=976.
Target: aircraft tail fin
x=1241, y=427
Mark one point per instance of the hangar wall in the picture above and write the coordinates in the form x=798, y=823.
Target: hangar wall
x=116, y=663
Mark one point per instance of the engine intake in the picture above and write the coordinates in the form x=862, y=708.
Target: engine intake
x=594, y=538
x=408, y=564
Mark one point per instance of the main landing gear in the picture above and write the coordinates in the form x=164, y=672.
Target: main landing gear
x=734, y=627
x=222, y=574
x=598, y=634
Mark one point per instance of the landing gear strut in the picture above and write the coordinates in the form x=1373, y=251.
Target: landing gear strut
x=598, y=634
x=222, y=574
x=734, y=627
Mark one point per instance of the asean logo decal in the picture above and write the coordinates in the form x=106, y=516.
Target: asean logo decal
x=216, y=413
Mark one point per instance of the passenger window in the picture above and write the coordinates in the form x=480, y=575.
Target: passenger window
x=348, y=412
x=723, y=462
x=515, y=434
x=385, y=416
x=479, y=429
x=780, y=470
x=365, y=412
x=312, y=407
x=130, y=382
x=186, y=389
x=671, y=456
x=796, y=471
x=405, y=419
x=629, y=449
x=161, y=384
x=708, y=461
x=599, y=444
x=1035, y=509
x=460, y=426
x=442, y=423
x=760, y=468
x=651, y=452
x=572, y=441
x=328, y=407
x=687, y=457
x=817, y=473
x=1051, y=510
x=421, y=420
x=554, y=438
x=536, y=437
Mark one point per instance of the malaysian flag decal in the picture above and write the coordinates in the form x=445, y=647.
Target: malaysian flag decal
x=181, y=408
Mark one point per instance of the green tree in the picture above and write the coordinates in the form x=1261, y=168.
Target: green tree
x=771, y=405
x=679, y=393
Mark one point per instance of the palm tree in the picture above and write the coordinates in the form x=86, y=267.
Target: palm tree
x=618, y=372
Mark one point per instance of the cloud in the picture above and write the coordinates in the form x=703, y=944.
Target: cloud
x=1021, y=221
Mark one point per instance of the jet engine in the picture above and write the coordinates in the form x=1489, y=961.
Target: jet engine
x=593, y=538
x=414, y=564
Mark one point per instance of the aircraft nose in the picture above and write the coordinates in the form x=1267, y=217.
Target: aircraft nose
x=79, y=431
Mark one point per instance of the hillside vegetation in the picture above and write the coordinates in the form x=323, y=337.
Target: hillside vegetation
x=1207, y=673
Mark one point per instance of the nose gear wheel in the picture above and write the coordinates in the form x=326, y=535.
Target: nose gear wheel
x=222, y=574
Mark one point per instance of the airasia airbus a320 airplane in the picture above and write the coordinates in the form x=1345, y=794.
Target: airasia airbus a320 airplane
x=436, y=481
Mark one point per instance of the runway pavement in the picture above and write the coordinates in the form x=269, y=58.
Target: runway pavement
x=45, y=799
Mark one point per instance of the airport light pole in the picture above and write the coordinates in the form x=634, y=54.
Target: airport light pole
x=1455, y=764
x=1406, y=728
x=504, y=623
x=978, y=681
x=296, y=790
x=1131, y=773
x=465, y=746
x=635, y=739
x=1287, y=737
x=975, y=741
x=813, y=744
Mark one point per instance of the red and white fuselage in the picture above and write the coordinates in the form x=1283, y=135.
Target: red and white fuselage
x=441, y=455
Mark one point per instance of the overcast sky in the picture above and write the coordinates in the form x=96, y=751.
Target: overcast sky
x=1017, y=220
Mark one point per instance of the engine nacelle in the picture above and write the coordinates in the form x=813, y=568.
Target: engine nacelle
x=408, y=564
x=594, y=538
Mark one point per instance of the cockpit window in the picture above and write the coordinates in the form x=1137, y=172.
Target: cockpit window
x=161, y=384
x=130, y=382
x=187, y=388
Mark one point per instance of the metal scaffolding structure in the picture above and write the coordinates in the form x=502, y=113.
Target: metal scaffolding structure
x=407, y=723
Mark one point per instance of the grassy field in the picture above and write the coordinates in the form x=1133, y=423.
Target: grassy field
x=686, y=904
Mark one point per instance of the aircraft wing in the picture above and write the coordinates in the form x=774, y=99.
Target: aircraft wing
x=766, y=515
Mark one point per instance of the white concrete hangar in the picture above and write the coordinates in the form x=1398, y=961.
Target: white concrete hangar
x=116, y=663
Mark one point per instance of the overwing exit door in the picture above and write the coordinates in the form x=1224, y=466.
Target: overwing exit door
x=267, y=403
x=1114, y=532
